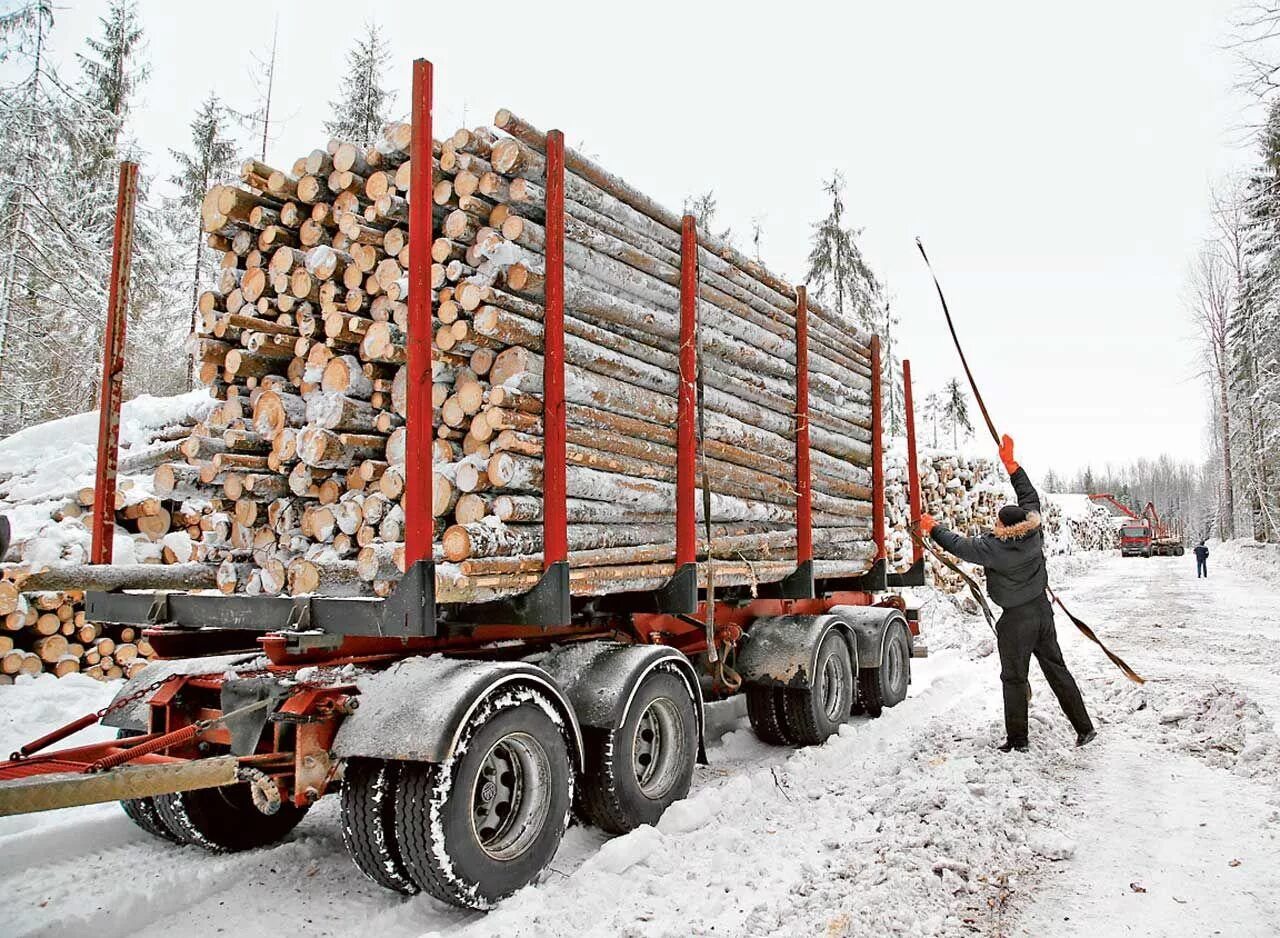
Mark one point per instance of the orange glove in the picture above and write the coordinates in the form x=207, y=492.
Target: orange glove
x=1006, y=454
x=927, y=524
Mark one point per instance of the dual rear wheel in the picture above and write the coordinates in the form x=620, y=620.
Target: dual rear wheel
x=807, y=716
x=487, y=822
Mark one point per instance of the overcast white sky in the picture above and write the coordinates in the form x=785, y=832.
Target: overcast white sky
x=1055, y=158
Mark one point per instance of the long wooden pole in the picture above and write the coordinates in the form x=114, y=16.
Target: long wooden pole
x=104, y=489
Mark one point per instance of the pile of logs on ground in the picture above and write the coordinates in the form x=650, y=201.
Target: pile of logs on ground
x=47, y=631
x=965, y=493
x=303, y=341
x=155, y=529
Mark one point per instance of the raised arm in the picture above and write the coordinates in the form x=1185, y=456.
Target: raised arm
x=1028, y=498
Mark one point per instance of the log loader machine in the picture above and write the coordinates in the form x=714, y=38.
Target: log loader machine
x=1145, y=535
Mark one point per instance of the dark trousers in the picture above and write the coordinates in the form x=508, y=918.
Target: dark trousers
x=1202, y=568
x=1024, y=631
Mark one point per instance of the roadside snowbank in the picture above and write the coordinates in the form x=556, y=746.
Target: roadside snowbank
x=43, y=467
x=1247, y=556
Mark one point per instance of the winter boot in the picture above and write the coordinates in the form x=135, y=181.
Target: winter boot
x=1085, y=739
x=1011, y=747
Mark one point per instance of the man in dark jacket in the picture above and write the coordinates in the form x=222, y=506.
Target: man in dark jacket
x=1202, y=560
x=1013, y=559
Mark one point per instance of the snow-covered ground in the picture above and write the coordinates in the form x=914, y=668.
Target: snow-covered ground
x=909, y=825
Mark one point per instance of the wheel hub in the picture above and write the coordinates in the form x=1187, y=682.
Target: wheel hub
x=832, y=689
x=658, y=748
x=511, y=796
x=895, y=664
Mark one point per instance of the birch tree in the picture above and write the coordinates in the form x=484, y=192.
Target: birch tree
x=1211, y=299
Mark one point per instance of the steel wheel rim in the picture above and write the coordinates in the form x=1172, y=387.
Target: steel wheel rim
x=658, y=747
x=895, y=664
x=832, y=688
x=511, y=796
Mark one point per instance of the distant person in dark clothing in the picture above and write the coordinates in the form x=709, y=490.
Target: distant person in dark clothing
x=1013, y=559
x=1202, y=560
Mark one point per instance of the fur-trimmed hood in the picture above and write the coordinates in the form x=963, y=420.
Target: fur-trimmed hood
x=1014, y=531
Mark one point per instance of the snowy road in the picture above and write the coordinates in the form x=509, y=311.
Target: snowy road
x=912, y=824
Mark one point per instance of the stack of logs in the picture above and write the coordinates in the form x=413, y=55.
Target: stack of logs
x=303, y=340
x=963, y=493
x=47, y=631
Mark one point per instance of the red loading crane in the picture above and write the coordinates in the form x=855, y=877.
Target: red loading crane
x=1145, y=535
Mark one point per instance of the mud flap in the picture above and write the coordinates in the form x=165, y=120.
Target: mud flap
x=246, y=728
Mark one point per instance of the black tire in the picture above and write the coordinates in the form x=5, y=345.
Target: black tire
x=886, y=686
x=811, y=715
x=224, y=819
x=368, y=822
x=143, y=811
x=635, y=772
x=764, y=709
x=523, y=753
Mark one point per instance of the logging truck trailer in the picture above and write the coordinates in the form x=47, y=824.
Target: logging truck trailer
x=460, y=740
x=462, y=737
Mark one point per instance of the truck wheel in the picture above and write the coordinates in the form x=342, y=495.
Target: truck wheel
x=368, y=822
x=486, y=822
x=635, y=772
x=813, y=714
x=143, y=811
x=764, y=709
x=886, y=686
x=224, y=819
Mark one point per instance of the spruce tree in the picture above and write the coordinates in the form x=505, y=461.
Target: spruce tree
x=53, y=280
x=210, y=161
x=112, y=69
x=364, y=104
x=932, y=411
x=838, y=274
x=703, y=207
x=956, y=409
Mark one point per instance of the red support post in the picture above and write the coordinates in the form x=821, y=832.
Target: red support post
x=104, y=489
x=419, y=422
x=804, y=478
x=913, y=465
x=686, y=440
x=877, y=451
x=555, y=534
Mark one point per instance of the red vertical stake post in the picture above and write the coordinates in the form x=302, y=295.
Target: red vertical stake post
x=419, y=423
x=877, y=451
x=104, y=488
x=804, y=478
x=555, y=534
x=913, y=465
x=686, y=440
